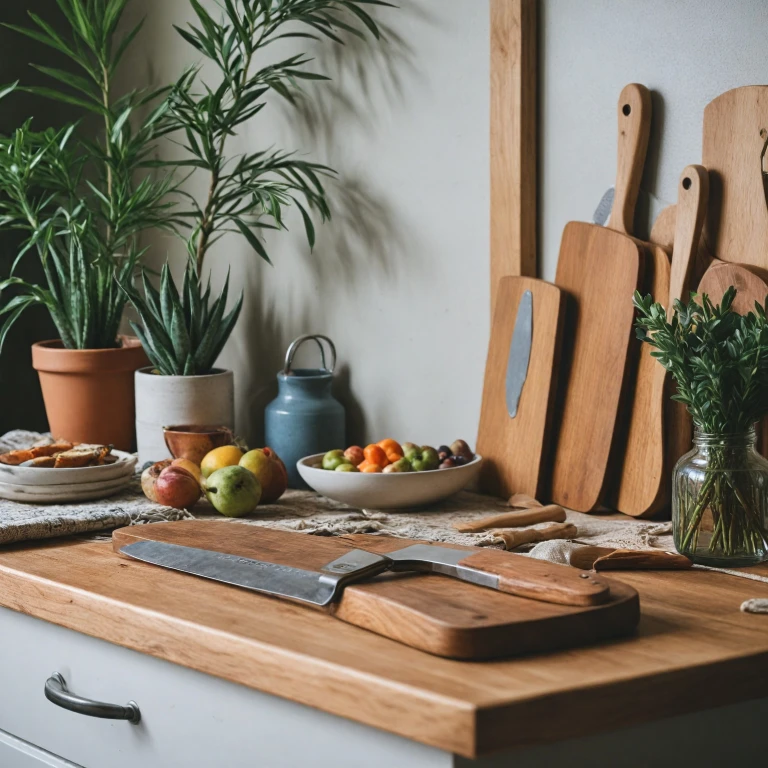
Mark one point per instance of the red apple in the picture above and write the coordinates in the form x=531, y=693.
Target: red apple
x=177, y=488
x=149, y=479
x=354, y=454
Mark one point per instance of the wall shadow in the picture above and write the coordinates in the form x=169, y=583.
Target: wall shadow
x=19, y=385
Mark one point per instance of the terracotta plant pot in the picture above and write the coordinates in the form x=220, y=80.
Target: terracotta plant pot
x=88, y=393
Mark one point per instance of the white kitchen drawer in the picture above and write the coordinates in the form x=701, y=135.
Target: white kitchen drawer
x=189, y=719
x=15, y=753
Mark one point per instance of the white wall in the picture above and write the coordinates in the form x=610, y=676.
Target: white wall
x=399, y=279
x=686, y=51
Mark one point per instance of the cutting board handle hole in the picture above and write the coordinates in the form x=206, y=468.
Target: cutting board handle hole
x=686, y=183
x=626, y=110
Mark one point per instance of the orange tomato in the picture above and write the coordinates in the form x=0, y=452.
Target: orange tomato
x=375, y=454
x=368, y=466
x=392, y=448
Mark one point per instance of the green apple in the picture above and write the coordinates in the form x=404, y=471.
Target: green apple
x=401, y=465
x=332, y=459
x=346, y=466
x=409, y=447
x=234, y=491
x=423, y=459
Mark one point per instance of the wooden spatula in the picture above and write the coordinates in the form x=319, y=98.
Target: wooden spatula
x=515, y=424
x=600, y=269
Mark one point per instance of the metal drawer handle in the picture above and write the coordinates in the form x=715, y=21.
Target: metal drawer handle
x=56, y=692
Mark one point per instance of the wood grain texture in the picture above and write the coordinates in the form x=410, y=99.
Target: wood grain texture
x=634, y=117
x=599, y=269
x=436, y=614
x=690, y=653
x=513, y=140
x=734, y=138
x=663, y=234
x=514, y=538
x=551, y=513
x=640, y=448
x=516, y=450
x=751, y=284
x=539, y=579
x=659, y=433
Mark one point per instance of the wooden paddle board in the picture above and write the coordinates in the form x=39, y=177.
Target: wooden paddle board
x=515, y=442
x=433, y=613
x=735, y=137
x=641, y=489
x=599, y=269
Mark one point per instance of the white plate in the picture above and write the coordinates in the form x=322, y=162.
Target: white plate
x=56, y=494
x=395, y=490
x=40, y=476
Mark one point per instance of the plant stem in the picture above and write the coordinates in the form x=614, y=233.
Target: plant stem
x=107, y=139
x=207, y=222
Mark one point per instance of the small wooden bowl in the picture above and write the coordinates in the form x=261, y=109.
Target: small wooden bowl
x=193, y=442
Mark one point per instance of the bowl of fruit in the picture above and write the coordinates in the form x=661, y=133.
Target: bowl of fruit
x=388, y=475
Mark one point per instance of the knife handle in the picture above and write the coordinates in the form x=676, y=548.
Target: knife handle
x=634, y=114
x=527, y=577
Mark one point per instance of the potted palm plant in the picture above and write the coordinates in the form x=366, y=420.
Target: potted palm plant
x=184, y=329
x=82, y=201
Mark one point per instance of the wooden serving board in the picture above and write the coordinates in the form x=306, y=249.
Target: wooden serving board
x=433, y=613
x=734, y=140
x=600, y=268
x=516, y=450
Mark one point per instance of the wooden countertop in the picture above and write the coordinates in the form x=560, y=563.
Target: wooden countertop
x=694, y=650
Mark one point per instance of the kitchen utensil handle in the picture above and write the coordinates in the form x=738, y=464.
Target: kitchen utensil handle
x=692, y=197
x=634, y=114
x=527, y=577
x=296, y=343
x=56, y=692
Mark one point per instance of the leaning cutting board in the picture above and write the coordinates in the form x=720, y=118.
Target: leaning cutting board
x=599, y=268
x=734, y=140
x=641, y=489
x=437, y=614
x=644, y=487
x=520, y=386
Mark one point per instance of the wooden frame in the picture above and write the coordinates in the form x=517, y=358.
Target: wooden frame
x=513, y=139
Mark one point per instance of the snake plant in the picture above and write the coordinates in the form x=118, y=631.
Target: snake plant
x=81, y=201
x=182, y=332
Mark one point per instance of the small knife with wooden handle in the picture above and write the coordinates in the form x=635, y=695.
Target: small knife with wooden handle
x=514, y=574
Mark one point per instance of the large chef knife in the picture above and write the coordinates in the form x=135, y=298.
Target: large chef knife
x=506, y=572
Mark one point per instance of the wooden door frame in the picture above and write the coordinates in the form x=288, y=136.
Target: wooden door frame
x=513, y=139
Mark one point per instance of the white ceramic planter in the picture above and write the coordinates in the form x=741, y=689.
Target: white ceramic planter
x=163, y=401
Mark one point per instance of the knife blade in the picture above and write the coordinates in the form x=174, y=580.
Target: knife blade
x=519, y=353
x=514, y=574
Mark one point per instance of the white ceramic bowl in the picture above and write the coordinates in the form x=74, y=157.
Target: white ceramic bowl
x=396, y=490
x=39, y=476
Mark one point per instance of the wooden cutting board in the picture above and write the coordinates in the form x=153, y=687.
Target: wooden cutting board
x=599, y=268
x=734, y=140
x=433, y=613
x=646, y=473
x=516, y=450
x=641, y=489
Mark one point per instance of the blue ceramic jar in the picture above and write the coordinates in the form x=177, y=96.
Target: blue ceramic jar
x=304, y=418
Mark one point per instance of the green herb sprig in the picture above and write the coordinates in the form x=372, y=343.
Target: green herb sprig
x=718, y=358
